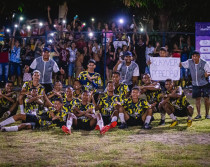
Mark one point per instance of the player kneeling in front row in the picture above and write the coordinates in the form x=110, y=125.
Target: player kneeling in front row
x=175, y=103
x=136, y=111
x=83, y=116
x=54, y=117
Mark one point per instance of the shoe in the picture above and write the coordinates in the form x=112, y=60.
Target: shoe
x=189, y=123
x=97, y=127
x=5, y=115
x=147, y=126
x=198, y=117
x=113, y=124
x=66, y=130
x=104, y=130
x=174, y=123
x=162, y=122
x=207, y=117
x=123, y=126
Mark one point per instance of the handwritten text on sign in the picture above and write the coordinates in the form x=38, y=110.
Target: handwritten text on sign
x=162, y=68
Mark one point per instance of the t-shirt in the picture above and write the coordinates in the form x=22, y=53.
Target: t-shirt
x=83, y=108
x=6, y=103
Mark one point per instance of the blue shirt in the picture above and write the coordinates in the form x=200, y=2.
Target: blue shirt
x=15, y=55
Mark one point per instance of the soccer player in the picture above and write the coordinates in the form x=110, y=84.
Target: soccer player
x=176, y=104
x=77, y=89
x=136, y=111
x=90, y=79
x=8, y=100
x=33, y=102
x=54, y=117
x=56, y=92
x=83, y=116
x=152, y=90
x=109, y=106
x=26, y=89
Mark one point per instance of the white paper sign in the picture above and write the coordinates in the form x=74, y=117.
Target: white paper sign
x=162, y=68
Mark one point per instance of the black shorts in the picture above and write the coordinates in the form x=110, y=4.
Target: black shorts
x=200, y=91
x=83, y=125
x=3, y=110
x=135, y=121
x=107, y=119
x=32, y=119
x=181, y=113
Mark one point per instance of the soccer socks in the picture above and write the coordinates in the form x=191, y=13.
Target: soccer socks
x=122, y=118
x=173, y=117
x=69, y=123
x=148, y=118
x=11, y=129
x=8, y=121
x=100, y=123
x=22, y=109
x=114, y=119
x=163, y=116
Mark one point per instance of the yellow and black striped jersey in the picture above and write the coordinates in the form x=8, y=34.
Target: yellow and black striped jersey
x=153, y=96
x=179, y=103
x=108, y=104
x=6, y=103
x=69, y=105
x=78, y=96
x=135, y=109
x=32, y=108
x=28, y=85
x=82, y=108
x=122, y=90
x=88, y=85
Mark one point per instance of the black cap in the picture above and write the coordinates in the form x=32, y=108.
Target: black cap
x=46, y=49
x=196, y=52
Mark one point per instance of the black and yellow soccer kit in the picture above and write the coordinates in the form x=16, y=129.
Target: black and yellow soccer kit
x=108, y=104
x=53, y=98
x=135, y=111
x=33, y=107
x=28, y=85
x=78, y=96
x=122, y=90
x=69, y=105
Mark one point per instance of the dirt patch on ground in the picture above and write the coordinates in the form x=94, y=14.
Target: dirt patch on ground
x=178, y=138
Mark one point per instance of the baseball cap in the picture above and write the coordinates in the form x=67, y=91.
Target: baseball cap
x=127, y=54
x=46, y=49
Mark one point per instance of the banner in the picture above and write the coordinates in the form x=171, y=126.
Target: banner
x=202, y=39
x=162, y=68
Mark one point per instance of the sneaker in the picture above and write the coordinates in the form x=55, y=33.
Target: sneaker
x=113, y=124
x=162, y=122
x=104, y=130
x=189, y=123
x=123, y=126
x=207, y=117
x=5, y=115
x=66, y=130
x=198, y=117
x=147, y=126
x=97, y=127
x=174, y=123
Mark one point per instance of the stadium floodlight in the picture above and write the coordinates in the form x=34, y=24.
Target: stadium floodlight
x=40, y=24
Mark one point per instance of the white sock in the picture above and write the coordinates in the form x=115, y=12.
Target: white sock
x=189, y=117
x=148, y=118
x=100, y=123
x=11, y=129
x=69, y=122
x=22, y=109
x=7, y=121
x=122, y=118
x=8, y=112
x=172, y=116
x=114, y=118
x=163, y=116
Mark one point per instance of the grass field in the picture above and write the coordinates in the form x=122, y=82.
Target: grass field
x=160, y=146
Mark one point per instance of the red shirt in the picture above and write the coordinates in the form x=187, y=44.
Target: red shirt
x=176, y=55
x=4, y=57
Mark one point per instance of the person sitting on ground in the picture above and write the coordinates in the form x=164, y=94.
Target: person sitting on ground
x=55, y=116
x=153, y=92
x=136, y=111
x=77, y=89
x=8, y=100
x=56, y=92
x=175, y=103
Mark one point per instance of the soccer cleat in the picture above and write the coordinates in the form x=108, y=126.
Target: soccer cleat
x=189, y=123
x=198, y=117
x=174, y=123
x=97, y=127
x=5, y=115
x=104, y=130
x=207, y=117
x=123, y=126
x=162, y=122
x=147, y=126
x=66, y=130
x=113, y=124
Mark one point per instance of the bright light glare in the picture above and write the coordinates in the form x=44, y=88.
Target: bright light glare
x=8, y=30
x=52, y=34
x=50, y=41
x=141, y=29
x=64, y=21
x=121, y=21
x=90, y=34
x=21, y=18
x=92, y=19
x=28, y=27
x=84, y=24
x=16, y=26
x=40, y=24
